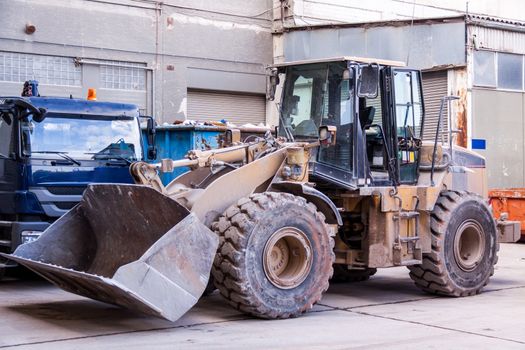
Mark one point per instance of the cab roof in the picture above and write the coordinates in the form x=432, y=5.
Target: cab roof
x=342, y=59
x=80, y=106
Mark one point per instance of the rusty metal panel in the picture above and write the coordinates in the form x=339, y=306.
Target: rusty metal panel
x=510, y=201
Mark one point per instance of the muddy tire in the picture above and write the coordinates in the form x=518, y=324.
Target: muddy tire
x=275, y=255
x=343, y=274
x=464, y=247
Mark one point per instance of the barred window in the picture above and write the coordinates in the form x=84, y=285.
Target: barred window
x=123, y=75
x=51, y=70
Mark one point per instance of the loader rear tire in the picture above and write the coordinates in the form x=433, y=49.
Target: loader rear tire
x=275, y=255
x=343, y=274
x=464, y=247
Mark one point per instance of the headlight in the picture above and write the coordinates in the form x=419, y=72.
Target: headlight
x=30, y=236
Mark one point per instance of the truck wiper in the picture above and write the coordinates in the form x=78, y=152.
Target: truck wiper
x=110, y=157
x=62, y=154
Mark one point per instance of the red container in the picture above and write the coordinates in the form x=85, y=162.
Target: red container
x=510, y=201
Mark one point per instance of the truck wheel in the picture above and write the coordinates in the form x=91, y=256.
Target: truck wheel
x=275, y=255
x=343, y=274
x=464, y=247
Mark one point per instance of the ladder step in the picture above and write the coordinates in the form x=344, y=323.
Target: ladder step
x=410, y=262
x=409, y=239
x=405, y=215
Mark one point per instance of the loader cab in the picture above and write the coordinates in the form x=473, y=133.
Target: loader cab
x=377, y=109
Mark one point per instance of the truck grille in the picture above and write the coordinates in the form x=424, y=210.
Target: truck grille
x=66, y=190
x=64, y=205
x=5, y=236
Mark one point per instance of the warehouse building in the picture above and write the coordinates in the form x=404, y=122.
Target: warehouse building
x=176, y=61
x=477, y=58
x=207, y=60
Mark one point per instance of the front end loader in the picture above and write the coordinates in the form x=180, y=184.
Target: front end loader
x=346, y=187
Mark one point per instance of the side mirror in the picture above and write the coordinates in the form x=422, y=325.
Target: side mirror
x=151, y=133
x=39, y=117
x=39, y=114
x=327, y=134
x=368, y=84
x=272, y=80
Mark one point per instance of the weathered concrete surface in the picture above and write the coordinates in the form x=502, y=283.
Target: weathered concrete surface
x=387, y=311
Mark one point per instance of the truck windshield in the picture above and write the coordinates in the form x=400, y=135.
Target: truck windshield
x=88, y=137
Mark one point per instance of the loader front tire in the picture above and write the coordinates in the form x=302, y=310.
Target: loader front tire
x=275, y=255
x=464, y=247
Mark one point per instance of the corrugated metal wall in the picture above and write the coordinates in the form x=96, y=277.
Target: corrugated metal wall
x=434, y=88
x=236, y=108
x=497, y=39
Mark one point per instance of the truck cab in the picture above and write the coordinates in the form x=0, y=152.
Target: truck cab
x=50, y=150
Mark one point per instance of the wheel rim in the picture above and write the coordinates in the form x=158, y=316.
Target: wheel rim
x=287, y=258
x=469, y=245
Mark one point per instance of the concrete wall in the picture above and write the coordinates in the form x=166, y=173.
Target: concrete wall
x=206, y=44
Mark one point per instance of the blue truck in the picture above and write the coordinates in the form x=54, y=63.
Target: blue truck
x=51, y=149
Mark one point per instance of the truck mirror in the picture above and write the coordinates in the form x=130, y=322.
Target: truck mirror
x=272, y=80
x=7, y=118
x=327, y=135
x=40, y=116
x=151, y=133
x=368, y=84
x=26, y=108
x=152, y=152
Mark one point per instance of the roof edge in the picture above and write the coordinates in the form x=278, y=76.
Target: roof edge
x=380, y=61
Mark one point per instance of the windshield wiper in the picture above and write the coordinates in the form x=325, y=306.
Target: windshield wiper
x=62, y=154
x=110, y=157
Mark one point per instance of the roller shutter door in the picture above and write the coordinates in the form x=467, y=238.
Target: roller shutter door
x=238, y=109
x=434, y=88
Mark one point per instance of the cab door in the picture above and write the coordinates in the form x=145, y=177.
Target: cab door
x=408, y=113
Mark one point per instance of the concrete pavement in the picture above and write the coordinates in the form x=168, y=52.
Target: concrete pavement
x=387, y=311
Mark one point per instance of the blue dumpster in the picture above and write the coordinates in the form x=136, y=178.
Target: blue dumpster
x=174, y=141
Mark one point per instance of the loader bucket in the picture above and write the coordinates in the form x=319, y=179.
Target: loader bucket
x=127, y=245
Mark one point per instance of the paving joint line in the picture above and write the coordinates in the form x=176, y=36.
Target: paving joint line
x=436, y=326
x=411, y=300
x=123, y=332
x=331, y=308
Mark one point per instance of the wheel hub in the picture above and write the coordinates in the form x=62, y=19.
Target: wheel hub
x=287, y=258
x=469, y=245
